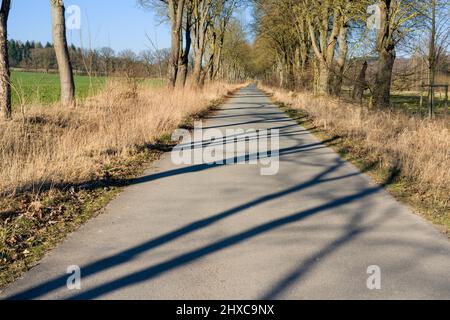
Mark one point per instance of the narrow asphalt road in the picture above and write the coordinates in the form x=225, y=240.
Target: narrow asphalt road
x=200, y=231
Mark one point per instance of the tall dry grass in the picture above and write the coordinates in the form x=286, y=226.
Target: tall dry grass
x=49, y=145
x=418, y=148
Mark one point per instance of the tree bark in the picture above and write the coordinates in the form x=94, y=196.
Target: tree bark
x=217, y=61
x=198, y=57
x=338, y=75
x=217, y=64
x=324, y=45
x=324, y=78
x=383, y=79
x=184, y=59
x=289, y=71
x=176, y=8
x=432, y=58
x=201, y=24
x=280, y=72
x=5, y=77
x=432, y=53
x=386, y=52
x=62, y=52
x=213, y=47
x=304, y=44
x=360, y=84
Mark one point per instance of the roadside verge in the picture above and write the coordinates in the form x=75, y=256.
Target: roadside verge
x=33, y=222
x=387, y=146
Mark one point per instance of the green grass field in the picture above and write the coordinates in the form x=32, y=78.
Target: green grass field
x=154, y=82
x=35, y=87
x=410, y=101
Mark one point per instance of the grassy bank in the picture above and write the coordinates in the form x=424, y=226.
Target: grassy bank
x=61, y=166
x=412, y=150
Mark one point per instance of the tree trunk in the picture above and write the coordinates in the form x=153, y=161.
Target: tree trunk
x=217, y=59
x=324, y=45
x=432, y=57
x=383, y=79
x=212, y=57
x=361, y=84
x=62, y=52
x=280, y=72
x=290, y=75
x=184, y=60
x=202, y=16
x=197, y=67
x=324, y=78
x=386, y=52
x=176, y=8
x=198, y=58
x=432, y=53
x=336, y=83
x=5, y=84
x=209, y=70
x=338, y=75
x=202, y=79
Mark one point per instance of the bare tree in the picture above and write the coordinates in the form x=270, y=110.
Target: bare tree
x=323, y=38
x=432, y=54
x=174, y=10
x=433, y=41
x=338, y=70
x=202, y=21
x=62, y=52
x=236, y=53
x=157, y=57
x=274, y=27
x=107, y=56
x=5, y=84
x=397, y=18
x=221, y=18
x=184, y=54
x=193, y=26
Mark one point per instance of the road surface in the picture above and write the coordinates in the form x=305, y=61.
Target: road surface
x=319, y=229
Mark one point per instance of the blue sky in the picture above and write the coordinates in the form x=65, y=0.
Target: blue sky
x=119, y=24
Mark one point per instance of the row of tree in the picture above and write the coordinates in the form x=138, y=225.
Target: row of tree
x=96, y=62
x=198, y=27
x=61, y=52
x=20, y=54
x=198, y=48
x=314, y=41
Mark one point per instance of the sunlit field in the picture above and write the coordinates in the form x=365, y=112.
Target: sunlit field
x=44, y=88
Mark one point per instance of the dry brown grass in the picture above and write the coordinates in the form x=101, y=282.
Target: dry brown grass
x=50, y=145
x=60, y=166
x=418, y=148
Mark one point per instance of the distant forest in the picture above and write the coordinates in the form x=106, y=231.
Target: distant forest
x=35, y=56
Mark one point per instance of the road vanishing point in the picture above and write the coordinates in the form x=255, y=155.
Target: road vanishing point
x=315, y=230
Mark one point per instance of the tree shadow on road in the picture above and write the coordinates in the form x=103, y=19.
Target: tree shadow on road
x=189, y=257
x=328, y=174
x=127, y=255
